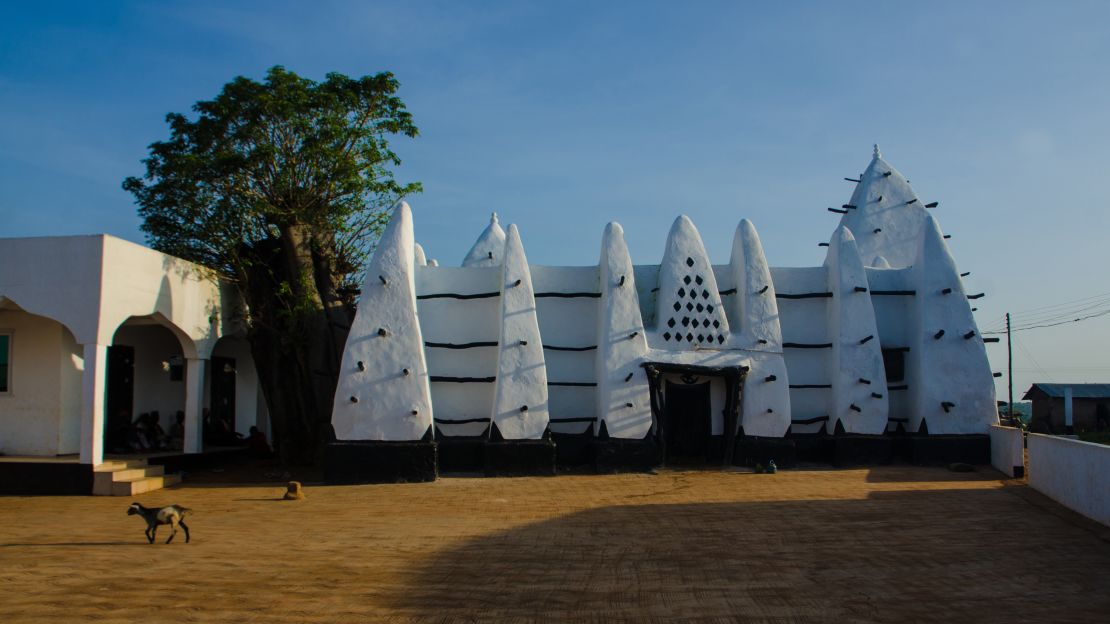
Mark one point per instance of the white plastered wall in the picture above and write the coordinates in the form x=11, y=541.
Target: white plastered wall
x=803, y=321
x=570, y=322
x=452, y=321
x=36, y=414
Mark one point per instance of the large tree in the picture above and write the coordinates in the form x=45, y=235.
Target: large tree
x=282, y=187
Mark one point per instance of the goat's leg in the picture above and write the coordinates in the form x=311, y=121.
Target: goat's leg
x=153, y=533
x=173, y=531
x=181, y=523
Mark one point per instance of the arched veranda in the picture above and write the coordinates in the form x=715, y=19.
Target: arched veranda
x=146, y=379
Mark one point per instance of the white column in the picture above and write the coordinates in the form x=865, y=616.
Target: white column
x=1068, y=411
x=93, y=397
x=194, y=404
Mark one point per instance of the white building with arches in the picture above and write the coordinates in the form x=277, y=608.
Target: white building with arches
x=95, y=330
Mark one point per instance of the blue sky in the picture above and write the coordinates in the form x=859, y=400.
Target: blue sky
x=562, y=116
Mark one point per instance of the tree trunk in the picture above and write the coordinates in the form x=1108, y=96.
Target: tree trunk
x=298, y=329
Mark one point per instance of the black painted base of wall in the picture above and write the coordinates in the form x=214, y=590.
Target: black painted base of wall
x=612, y=455
x=813, y=448
x=934, y=450
x=520, y=458
x=752, y=450
x=461, y=454
x=347, y=463
x=46, y=479
x=861, y=450
x=574, y=450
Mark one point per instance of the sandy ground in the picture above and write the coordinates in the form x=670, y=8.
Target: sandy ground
x=891, y=544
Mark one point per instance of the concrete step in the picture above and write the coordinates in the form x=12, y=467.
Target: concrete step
x=138, y=471
x=128, y=477
x=112, y=465
x=140, y=485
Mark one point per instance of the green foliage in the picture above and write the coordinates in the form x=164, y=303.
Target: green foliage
x=282, y=186
x=262, y=156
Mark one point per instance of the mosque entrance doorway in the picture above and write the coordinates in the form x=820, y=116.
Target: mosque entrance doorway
x=682, y=413
x=687, y=422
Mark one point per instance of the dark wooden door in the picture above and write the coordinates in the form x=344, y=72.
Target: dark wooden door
x=222, y=390
x=687, y=424
x=120, y=397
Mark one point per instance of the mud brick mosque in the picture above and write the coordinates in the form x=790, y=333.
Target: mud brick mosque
x=507, y=368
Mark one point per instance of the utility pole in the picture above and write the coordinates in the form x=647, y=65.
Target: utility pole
x=1010, y=369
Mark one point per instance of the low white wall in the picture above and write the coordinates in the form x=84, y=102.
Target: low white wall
x=1073, y=473
x=1008, y=450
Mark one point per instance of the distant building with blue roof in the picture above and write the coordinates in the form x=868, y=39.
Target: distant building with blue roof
x=1090, y=406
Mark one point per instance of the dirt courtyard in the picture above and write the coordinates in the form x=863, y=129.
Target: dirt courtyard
x=890, y=544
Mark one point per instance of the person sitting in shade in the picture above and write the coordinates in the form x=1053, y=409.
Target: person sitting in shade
x=258, y=444
x=158, y=437
x=177, y=432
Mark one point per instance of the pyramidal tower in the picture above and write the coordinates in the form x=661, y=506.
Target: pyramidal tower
x=489, y=249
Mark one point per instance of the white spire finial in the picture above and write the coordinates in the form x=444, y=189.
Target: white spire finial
x=493, y=217
x=878, y=154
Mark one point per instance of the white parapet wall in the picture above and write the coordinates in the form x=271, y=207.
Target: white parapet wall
x=1075, y=474
x=1008, y=450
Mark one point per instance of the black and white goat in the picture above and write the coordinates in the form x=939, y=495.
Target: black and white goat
x=173, y=515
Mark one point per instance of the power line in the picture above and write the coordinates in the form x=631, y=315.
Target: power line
x=1033, y=360
x=1068, y=314
x=1053, y=314
x=1062, y=322
x=1062, y=304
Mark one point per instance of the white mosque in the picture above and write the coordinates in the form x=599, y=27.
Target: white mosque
x=510, y=368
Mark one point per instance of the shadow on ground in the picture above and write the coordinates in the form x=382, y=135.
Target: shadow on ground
x=942, y=556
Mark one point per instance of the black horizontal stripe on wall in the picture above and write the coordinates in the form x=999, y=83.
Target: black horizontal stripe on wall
x=458, y=296
x=588, y=419
x=567, y=295
x=804, y=386
x=462, y=379
x=811, y=295
x=807, y=345
x=555, y=348
x=461, y=345
x=581, y=384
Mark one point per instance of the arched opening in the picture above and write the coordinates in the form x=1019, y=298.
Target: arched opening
x=40, y=384
x=145, y=387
